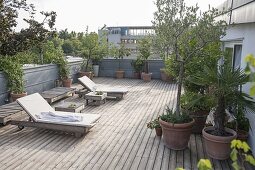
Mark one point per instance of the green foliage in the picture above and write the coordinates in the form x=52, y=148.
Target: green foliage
x=119, y=52
x=144, y=51
x=153, y=124
x=204, y=164
x=13, y=42
x=224, y=82
x=184, y=34
x=240, y=149
x=171, y=67
x=68, y=47
x=14, y=74
x=173, y=117
x=137, y=65
x=196, y=102
x=250, y=70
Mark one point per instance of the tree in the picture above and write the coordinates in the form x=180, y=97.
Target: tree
x=91, y=48
x=12, y=42
x=144, y=51
x=184, y=34
x=119, y=52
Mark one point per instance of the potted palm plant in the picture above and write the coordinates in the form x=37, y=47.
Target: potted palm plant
x=225, y=83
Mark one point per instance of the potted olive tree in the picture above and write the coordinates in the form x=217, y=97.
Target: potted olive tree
x=225, y=83
x=185, y=37
x=118, y=53
x=144, y=52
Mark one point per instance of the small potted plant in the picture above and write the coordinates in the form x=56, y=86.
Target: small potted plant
x=64, y=72
x=154, y=124
x=138, y=66
x=176, y=129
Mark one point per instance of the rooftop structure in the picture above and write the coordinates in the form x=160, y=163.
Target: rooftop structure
x=127, y=35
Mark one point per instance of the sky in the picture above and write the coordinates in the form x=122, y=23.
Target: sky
x=76, y=15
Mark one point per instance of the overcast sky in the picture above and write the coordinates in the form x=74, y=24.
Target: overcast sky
x=77, y=14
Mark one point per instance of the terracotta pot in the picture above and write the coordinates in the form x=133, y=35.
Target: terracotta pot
x=158, y=131
x=218, y=147
x=176, y=136
x=89, y=74
x=119, y=74
x=242, y=135
x=146, y=76
x=66, y=82
x=200, y=118
x=137, y=75
x=15, y=96
x=165, y=77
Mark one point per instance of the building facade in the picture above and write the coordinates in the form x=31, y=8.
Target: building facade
x=127, y=35
x=240, y=41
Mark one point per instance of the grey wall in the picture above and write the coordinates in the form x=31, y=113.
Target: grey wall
x=38, y=78
x=109, y=66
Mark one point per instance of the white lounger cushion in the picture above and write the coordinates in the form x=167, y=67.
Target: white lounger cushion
x=90, y=85
x=35, y=104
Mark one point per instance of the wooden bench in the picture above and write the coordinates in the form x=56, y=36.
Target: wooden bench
x=10, y=111
x=57, y=93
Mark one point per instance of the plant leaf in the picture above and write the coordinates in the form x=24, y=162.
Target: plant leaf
x=233, y=154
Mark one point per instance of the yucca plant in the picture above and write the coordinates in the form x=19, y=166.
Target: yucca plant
x=225, y=83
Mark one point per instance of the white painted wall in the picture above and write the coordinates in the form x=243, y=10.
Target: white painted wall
x=245, y=33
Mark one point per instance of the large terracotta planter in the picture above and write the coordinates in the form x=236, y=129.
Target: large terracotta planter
x=67, y=82
x=15, y=96
x=165, y=77
x=119, y=74
x=146, y=76
x=200, y=118
x=176, y=136
x=218, y=147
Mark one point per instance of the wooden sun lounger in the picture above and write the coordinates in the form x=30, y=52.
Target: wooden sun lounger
x=34, y=104
x=57, y=93
x=10, y=111
x=113, y=92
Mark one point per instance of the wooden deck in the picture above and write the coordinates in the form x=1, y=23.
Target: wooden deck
x=120, y=140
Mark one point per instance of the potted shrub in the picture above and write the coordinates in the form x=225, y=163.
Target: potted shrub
x=198, y=107
x=119, y=53
x=14, y=74
x=138, y=66
x=64, y=72
x=176, y=129
x=154, y=124
x=167, y=73
x=144, y=52
x=224, y=82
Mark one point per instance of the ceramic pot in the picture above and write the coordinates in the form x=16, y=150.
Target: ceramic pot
x=137, y=75
x=120, y=74
x=165, y=77
x=15, y=96
x=218, y=147
x=158, y=131
x=66, y=82
x=146, y=76
x=96, y=70
x=176, y=136
x=200, y=118
x=89, y=74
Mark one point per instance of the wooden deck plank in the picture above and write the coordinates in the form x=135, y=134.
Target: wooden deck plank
x=120, y=140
